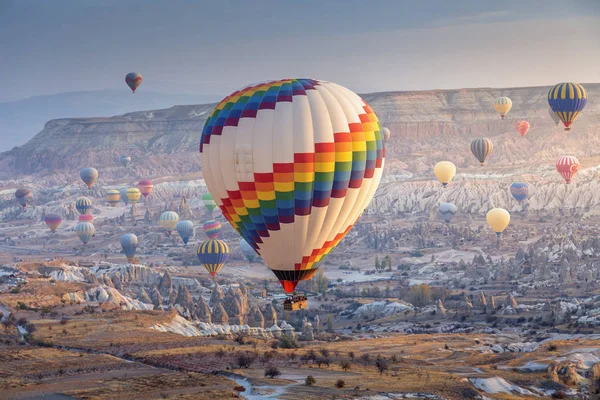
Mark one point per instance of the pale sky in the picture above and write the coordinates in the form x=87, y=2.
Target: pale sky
x=215, y=47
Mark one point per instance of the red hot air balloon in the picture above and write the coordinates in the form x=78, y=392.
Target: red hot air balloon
x=133, y=80
x=523, y=128
x=86, y=218
x=145, y=187
x=568, y=166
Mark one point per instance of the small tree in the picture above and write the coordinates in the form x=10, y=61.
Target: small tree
x=340, y=384
x=345, y=365
x=351, y=355
x=244, y=359
x=272, y=372
x=329, y=324
x=324, y=352
x=310, y=380
x=382, y=365
x=365, y=359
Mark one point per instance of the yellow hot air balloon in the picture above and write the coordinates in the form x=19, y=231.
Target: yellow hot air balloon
x=169, y=220
x=498, y=219
x=502, y=105
x=133, y=195
x=444, y=171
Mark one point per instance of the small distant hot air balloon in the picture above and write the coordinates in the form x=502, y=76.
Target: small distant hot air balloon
x=185, y=229
x=85, y=231
x=125, y=160
x=83, y=205
x=124, y=198
x=502, y=105
x=247, y=250
x=133, y=80
x=213, y=254
x=444, y=171
x=86, y=218
x=129, y=243
x=481, y=149
x=568, y=166
x=519, y=191
x=169, y=220
x=133, y=195
x=498, y=219
x=567, y=100
x=523, y=127
x=53, y=221
x=113, y=197
x=208, y=201
x=89, y=176
x=23, y=196
x=386, y=134
x=145, y=187
x=554, y=116
x=212, y=229
x=447, y=211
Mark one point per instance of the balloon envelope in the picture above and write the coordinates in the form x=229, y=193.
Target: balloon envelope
x=53, y=221
x=444, y=171
x=568, y=166
x=554, y=116
x=519, y=191
x=447, y=211
x=522, y=127
x=567, y=100
x=129, y=243
x=481, y=149
x=86, y=218
x=145, y=187
x=213, y=254
x=124, y=198
x=125, y=160
x=133, y=80
x=85, y=231
x=212, y=229
x=386, y=134
x=498, y=219
x=208, y=202
x=169, y=220
x=89, y=176
x=185, y=229
x=133, y=195
x=502, y=105
x=23, y=196
x=292, y=164
x=83, y=205
x=113, y=197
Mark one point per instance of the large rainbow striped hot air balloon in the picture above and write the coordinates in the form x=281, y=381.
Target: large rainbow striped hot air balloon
x=53, y=221
x=519, y=191
x=212, y=229
x=213, y=254
x=133, y=80
x=292, y=164
x=567, y=100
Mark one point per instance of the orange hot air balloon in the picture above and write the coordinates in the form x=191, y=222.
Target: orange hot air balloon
x=145, y=187
x=523, y=127
x=568, y=166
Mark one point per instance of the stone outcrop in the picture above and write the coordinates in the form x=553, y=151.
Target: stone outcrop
x=256, y=318
x=219, y=315
x=270, y=315
x=217, y=296
x=157, y=299
x=203, y=311
x=144, y=297
x=165, y=286
x=184, y=299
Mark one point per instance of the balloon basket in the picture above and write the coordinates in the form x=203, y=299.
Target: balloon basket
x=295, y=303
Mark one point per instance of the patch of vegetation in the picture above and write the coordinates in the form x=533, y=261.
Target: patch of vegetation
x=340, y=384
x=310, y=380
x=272, y=372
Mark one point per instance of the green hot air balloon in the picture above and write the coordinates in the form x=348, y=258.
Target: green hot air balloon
x=208, y=201
x=129, y=243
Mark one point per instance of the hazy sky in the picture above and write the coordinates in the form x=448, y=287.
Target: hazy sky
x=217, y=46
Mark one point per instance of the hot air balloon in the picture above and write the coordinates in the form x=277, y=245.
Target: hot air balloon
x=133, y=80
x=23, y=196
x=247, y=250
x=145, y=187
x=89, y=176
x=519, y=191
x=185, y=229
x=444, y=171
x=86, y=218
x=523, y=127
x=567, y=100
x=113, y=197
x=568, y=166
x=554, y=116
x=481, y=149
x=386, y=134
x=498, y=219
x=292, y=164
x=502, y=105
x=208, y=201
x=53, y=221
x=83, y=205
x=212, y=229
x=447, y=211
x=85, y=231
x=129, y=244
x=124, y=198
x=213, y=254
x=133, y=195
x=125, y=160
x=168, y=220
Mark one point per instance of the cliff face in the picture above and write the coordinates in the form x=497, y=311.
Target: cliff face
x=426, y=126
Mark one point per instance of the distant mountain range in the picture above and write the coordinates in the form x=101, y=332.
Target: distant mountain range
x=23, y=119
